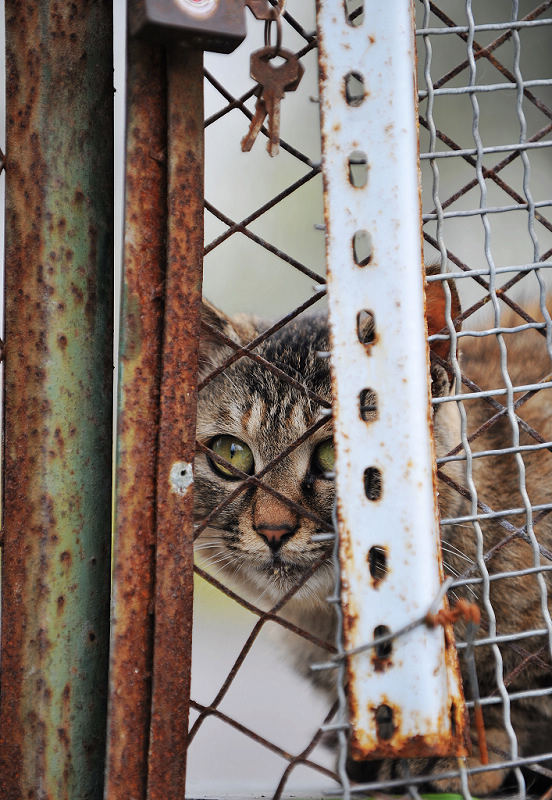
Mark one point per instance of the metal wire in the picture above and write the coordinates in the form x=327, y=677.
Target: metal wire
x=445, y=208
x=473, y=89
x=498, y=148
x=419, y=780
x=491, y=26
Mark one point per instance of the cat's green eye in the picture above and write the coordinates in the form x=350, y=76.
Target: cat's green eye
x=235, y=452
x=324, y=457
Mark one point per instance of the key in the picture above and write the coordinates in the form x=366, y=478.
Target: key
x=276, y=80
x=256, y=124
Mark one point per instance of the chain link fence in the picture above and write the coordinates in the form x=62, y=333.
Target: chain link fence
x=484, y=101
x=259, y=725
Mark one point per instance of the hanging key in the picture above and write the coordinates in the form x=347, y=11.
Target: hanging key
x=256, y=123
x=275, y=80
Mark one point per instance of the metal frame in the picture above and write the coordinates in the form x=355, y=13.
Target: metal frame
x=57, y=401
x=151, y=639
x=43, y=618
x=414, y=679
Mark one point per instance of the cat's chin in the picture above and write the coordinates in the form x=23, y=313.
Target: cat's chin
x=264, y=579
x=274, y=580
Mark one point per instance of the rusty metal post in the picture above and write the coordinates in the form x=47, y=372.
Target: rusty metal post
x=174, y=552
x=58, y=399
x=138, y=420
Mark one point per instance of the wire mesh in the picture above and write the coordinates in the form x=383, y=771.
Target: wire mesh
x=485, y=119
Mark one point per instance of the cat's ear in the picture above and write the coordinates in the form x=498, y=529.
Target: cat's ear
x=212, y=350
x=435, y=311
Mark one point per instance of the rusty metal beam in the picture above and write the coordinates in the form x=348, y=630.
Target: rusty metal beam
x=58, y=399
x=138, y=420
x=174, y=551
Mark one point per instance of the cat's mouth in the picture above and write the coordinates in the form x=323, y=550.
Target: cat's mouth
x=282, y=569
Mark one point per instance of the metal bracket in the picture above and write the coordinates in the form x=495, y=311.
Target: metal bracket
x=404, y=694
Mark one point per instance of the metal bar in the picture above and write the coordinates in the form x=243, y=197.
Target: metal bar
x=419, y=684
x=174, y=552
x=491, y=26
x=58, y=400
x=517, y=268
x=138, y=421
x=535, y=326
x=490, y=393
x=488, y=87
x=499, y=148
x=527, y=448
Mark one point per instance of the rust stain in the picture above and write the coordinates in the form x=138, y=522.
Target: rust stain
x=381, y=664
x=389, y=742
x=174, y=551
x=52, y=137
x=140, y=366
x=481, y=736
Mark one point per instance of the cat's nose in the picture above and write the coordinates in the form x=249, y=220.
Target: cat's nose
x=274, y=521
x=274, y=535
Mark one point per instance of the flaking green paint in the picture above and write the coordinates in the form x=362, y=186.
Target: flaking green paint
x=58, y=400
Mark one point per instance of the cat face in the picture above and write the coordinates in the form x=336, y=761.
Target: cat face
x=248, y=417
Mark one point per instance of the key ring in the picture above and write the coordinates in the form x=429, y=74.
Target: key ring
x=268, y=24
x=278, y=10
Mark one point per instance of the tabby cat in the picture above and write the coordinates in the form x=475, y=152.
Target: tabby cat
x=248, y=415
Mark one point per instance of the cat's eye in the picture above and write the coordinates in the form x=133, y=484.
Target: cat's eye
x=235, y=452
x=323, y=457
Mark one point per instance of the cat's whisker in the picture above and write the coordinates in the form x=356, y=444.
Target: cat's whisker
x=213, y=527
x=216, y=572
x=457, y=553
x=452, y=546
x=206, y=546
x=456, y=574
x=225, y=558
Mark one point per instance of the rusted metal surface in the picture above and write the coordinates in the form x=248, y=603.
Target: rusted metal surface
x=142, y=296
x=405, y=700
x=174, y=550
x=207, y=25
x=58, y=400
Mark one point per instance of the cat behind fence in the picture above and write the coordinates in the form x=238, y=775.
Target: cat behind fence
x=248, y=416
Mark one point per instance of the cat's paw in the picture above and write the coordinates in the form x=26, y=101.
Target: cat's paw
x=480, y=783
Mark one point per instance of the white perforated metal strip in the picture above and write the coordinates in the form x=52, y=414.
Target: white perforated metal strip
x=403, y=691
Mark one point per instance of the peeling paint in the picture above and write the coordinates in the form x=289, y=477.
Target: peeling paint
x=181, y=477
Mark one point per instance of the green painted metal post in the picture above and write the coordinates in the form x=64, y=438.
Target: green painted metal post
x=58, y=400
